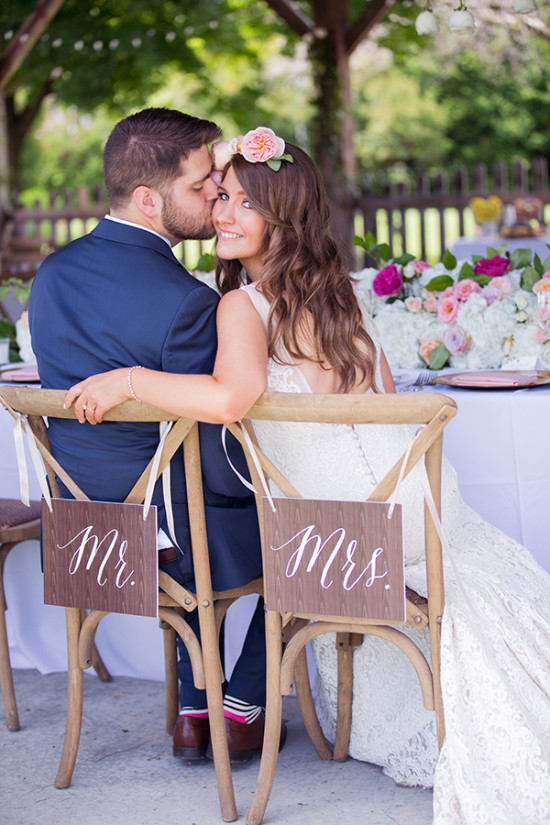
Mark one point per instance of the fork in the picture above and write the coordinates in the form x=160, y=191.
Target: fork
x=423, y=378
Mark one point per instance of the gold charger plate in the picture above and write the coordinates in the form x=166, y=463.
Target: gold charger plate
x=494, y=379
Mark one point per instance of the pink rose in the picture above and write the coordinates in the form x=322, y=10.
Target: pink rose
x=388, y=281
x=413, y=304
x=430, y=304
x=456, y=340
x=463, y=289
x=541, y=336
x=450, y=290
x=491, y=294
x=542, y=286
x=447, y=308
x=420, y=266
x=504, y=283
x=427, y=345
x=494, y=266
x=262, y=144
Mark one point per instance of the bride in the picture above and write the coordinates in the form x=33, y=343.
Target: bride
x=289, y=321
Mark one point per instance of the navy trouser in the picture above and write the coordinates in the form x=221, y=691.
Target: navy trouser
x=247, y=681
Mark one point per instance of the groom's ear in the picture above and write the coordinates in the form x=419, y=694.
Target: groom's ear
x=147, y=200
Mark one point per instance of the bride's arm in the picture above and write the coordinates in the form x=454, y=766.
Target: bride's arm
x=387, y=377
x=238, y=379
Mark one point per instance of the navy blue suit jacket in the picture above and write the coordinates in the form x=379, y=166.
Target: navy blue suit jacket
x=115, y=298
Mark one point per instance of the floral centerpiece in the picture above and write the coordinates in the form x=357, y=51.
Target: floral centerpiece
x=465, y=314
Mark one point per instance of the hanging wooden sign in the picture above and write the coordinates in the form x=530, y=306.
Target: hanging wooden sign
x=334, y=558
x=100, y=556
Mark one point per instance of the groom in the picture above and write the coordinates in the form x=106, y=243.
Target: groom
x=116, y=298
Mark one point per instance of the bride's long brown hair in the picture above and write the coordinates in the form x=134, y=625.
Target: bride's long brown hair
x=303, y=274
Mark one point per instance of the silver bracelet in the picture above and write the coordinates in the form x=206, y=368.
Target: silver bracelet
x=129, y=377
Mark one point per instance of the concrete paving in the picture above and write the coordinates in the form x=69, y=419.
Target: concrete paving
x=125, y=772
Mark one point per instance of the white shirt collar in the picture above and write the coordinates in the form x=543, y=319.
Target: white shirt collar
x=138, y=226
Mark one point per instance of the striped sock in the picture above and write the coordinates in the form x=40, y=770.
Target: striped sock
x=240, y=711
x=200, y=713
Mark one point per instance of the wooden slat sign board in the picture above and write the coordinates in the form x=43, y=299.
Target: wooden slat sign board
x=100, y=556
x=334, y=558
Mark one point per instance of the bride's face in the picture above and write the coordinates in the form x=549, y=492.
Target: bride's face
x=240, y=228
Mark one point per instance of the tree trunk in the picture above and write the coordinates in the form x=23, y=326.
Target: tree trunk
x=332, y=127
x=4, y=166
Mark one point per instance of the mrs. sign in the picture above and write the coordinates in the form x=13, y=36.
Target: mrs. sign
x=334, y=558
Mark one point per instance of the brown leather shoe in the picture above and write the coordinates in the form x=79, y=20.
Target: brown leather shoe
x=190, y=737
x=246, y=740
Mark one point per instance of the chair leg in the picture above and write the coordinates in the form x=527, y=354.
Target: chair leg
x=304, y=696
x=345, y=694
x=99, y=666
x=6, y=676
x=214, y=678
x=171, y=677
x=273, y=713
x=74, y=700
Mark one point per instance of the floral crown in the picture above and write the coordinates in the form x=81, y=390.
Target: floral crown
x=260, y=145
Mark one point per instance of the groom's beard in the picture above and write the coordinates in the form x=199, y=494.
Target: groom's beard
x=184, y=225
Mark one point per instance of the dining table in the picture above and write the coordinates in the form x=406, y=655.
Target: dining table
x=499, y=444
x=463, y=248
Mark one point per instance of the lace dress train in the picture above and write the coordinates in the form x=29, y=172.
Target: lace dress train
x=494, y=767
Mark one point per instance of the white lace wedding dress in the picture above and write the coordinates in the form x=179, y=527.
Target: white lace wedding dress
x=494, y=767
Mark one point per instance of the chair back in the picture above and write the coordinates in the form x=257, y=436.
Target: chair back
x=36, y=406
x=289, y=624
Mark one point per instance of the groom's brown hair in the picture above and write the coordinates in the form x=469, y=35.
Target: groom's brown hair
x=147, y=149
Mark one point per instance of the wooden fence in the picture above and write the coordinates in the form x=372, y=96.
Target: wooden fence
x=424, y=219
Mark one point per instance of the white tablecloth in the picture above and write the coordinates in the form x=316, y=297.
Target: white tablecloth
x=499, y=444
x=464, y=248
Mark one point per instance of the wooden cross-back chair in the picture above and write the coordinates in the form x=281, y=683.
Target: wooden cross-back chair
x=174, y=601
x=289, y=632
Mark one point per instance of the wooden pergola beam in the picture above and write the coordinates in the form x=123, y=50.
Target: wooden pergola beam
x=299, y=23
x=27, y=35
x=372, y=14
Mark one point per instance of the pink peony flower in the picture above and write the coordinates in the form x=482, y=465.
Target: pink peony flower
x=413, y=304
x=262, y=144
x=450, y=290
x=456, y=340
x=430, y=303
x=388, y=281
x=504, y=283
x=494, y=266
x=463, y=289
x=542, y=286
x=427, y=345
x=447, y=308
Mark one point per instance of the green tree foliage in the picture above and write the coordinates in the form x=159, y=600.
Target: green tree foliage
x=116, y=54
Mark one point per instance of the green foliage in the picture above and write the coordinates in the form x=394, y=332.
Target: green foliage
x=529, y=277
x=21, y=289
x=206, y=262
x=439, y=283
x=380, y=252
x=438, y=357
